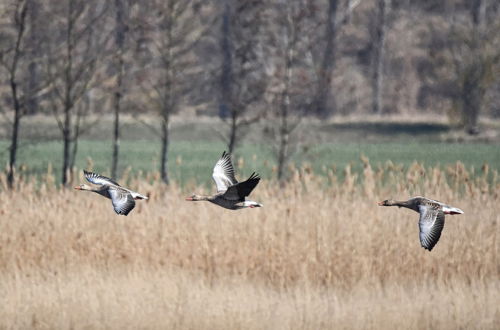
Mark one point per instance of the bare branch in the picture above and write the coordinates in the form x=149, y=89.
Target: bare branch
x=342, y=18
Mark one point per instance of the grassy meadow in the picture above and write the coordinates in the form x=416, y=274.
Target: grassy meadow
x=196, y=144
x=192, y=161
x=315, y=256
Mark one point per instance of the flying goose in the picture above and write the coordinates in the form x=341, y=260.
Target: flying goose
x=230, y=193
x=431, y=220
x=123, y=199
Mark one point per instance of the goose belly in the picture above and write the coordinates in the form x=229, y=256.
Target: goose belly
x=225, y=203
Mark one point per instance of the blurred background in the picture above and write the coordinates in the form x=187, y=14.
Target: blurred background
x=150, y=85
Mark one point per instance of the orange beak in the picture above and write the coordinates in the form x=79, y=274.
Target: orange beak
x=381, y=203
x=189, y=198
x=78, y=188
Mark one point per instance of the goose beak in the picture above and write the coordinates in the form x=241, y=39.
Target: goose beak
x=189, y=198
x=78, y=188
x=380, y=203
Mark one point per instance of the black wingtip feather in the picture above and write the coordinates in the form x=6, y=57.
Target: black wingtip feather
x=89, y=174
x=85, y=172
x=125, y=213
x=254, y=176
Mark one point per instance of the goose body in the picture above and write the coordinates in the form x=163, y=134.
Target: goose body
x=122, y=199
x=431, y=221
x=231, y=194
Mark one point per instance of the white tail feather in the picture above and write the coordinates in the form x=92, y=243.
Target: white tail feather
x=252, y=204
x=136, y=195
x=452, y=210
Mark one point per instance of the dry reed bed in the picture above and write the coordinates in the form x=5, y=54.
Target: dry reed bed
x=317, y=255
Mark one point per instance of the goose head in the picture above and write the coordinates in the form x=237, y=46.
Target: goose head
x=387, y=202
x=83, y=187
x=195, y=198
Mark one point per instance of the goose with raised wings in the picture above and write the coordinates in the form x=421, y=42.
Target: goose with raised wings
x=230, y=193
x=431, y=222
x=123, y=199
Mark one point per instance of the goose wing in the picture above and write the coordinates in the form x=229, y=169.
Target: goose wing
x=431, y=224
x=241, y=190
x=122, y=200
x=99, y=179
x=447, y=209
x=223, y=173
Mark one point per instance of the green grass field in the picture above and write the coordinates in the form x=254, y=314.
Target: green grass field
x=197, y=144
x=193, y=161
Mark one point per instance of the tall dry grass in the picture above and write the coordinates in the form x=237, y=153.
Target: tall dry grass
x=320, y=254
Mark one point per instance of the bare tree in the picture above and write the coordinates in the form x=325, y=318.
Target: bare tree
x=35, y=79
x=329, y=16
x=173, y=30
x=10, y=57
x=119, y=64
x=377, y=81
x=77, y=42
x=292, y=76
x=465, y=54
x=327, y=63
x=474, y=69
x=243, y=79
x=15, y=48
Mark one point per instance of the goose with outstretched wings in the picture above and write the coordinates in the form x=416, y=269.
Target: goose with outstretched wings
x=431, y=221
x=122, y=199
x=231, y=194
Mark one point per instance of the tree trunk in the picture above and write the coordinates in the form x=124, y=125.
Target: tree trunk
x=232, y=134
x=473, y=90
x=66, y=129
x=14, y=139
x=66, y=133
x=74, y=144
x=164, y=149
x=472, y=96
x=226, y=105
x=34, y=35
x=119, y=40
x=284, y=130
x=284, y=138
x=378, y=56
x=225, y=102
x=15, y=98
x=478, y=12
x=116, y=132
x=327, y=63
x=66, y=153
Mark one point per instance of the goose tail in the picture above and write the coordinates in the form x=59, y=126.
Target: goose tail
x=452, y=210
x=136, y=195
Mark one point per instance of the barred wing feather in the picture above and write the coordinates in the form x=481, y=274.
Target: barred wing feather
x=223, y=173
x=431, y=225
x=122, y=200
x=98, y=179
